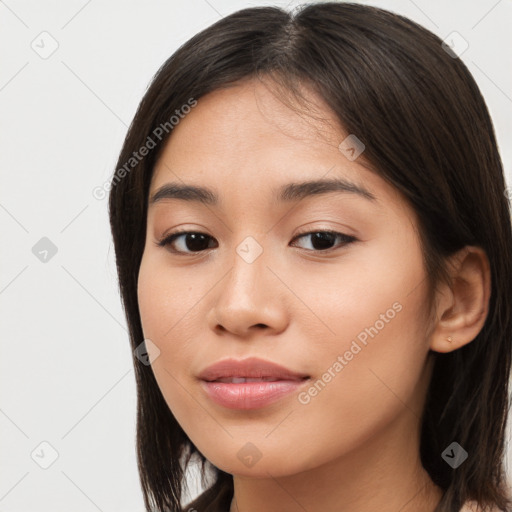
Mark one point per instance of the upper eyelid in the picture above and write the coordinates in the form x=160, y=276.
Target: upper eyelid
x=177, y=233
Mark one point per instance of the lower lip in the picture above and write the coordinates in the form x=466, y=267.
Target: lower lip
x=250, y=395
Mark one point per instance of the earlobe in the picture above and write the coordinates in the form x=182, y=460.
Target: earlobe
x=462, y=306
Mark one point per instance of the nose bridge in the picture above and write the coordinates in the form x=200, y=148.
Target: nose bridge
x=250, y=250
x=246, y=297
x=248, y=265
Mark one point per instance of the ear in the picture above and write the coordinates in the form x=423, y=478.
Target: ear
x=463, y=304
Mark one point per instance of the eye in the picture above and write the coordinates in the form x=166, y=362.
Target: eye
x=192, y=240
x=323, y=240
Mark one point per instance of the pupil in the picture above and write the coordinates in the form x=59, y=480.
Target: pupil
x=323, y=240
x=194, y=241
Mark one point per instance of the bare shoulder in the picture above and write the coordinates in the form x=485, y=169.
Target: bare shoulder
x=472, y=506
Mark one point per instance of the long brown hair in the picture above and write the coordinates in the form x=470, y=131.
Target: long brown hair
x=427, y=131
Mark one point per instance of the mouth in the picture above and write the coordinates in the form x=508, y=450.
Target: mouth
x=250, y=383
x=250, y=393
x=251, y=369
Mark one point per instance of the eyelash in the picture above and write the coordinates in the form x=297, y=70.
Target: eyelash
x=347, y=239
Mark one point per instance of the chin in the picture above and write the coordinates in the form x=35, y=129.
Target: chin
x=275, y=465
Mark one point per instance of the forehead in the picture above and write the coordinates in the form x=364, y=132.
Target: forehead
x=243, y=140
x=246, y=122
x=260, y=107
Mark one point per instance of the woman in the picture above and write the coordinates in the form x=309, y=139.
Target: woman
x=313, y=244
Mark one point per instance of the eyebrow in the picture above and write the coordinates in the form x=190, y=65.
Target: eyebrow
x=289, y=192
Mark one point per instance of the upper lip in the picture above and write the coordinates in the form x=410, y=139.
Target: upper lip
x=251, y=367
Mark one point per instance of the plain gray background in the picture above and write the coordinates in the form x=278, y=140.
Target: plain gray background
x=66, y=372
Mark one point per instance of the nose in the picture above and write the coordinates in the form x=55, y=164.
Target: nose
x=249, y=299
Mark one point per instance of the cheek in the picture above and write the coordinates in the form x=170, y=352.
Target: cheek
x=168, y=302
x=374, y=294
x=166, y=297
x=378, y=379
x=372, y=361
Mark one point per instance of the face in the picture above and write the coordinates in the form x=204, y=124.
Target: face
x=329, y=284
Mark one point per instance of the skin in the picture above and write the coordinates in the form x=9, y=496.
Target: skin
x=355, y=445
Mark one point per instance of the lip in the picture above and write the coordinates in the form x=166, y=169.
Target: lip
x=251, y=367
x=249, y=395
